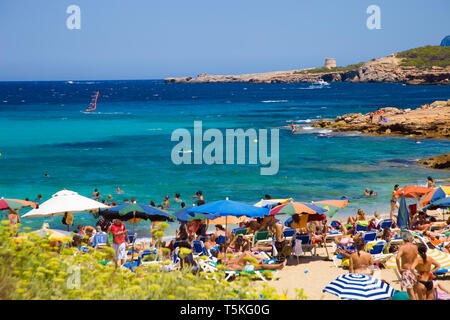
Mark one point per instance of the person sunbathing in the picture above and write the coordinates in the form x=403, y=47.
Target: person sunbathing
x=361, y=261
x=239, y=244
x=241, y=263
x=360, y=216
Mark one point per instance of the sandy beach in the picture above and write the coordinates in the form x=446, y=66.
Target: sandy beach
x=313, y=273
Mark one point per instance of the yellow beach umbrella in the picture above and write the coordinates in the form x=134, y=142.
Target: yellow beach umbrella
x=442, y=258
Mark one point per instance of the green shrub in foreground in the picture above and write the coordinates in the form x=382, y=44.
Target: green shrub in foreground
x=31, y=268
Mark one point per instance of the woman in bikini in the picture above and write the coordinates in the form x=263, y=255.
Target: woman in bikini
x=422, y=268
x=361, y=261
x=394, y=203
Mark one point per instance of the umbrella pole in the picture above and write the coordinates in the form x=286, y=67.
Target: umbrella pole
x=132, y=248
x=226, y=245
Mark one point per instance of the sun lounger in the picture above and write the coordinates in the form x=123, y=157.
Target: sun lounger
x=369, y=235
x=210, y=266
x=377, y=249
x=304, y=241
x=241, y=230
x=261, y=237
x=288, y=233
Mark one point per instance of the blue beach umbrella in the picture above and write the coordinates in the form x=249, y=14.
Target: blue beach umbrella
x=222, y=208
x=403, y=214
x=356, y=286
x=183, y=216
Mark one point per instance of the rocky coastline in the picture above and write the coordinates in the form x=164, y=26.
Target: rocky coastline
x=425, y=122
x=387, y=69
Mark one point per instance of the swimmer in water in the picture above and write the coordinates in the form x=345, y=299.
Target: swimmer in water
x=118, y=190
x=293, y=128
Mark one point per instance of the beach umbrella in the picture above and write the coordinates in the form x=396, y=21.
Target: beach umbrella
x=271, y=202
x=413, y=191
x=441, y=203
x=291, y=208
x=332, y=206
x=356, y=286
x=227, y=207
x=228, y=220
x=131, y=212
x=441, y=257
x=65, y=201
x=183, y=216
x=403, y=214
x=435, y=195
x=15, y=204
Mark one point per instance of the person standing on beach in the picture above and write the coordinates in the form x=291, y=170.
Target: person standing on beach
x=67, y=220
x=405, y=258
x=422, y=267
x=394, y=203
x=119, y=234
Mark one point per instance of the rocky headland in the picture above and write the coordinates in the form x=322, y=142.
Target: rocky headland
x=425, y=122
x=421, y=66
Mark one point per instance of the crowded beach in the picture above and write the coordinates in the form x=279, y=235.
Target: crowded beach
x=282, y=242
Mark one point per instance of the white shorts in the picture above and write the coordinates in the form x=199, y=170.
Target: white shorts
x=120, y=249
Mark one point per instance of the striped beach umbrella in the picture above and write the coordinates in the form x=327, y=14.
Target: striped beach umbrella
x=292, y=208
x=442, y=258
x=355, y=286
x=332, y=206
x=436, y=196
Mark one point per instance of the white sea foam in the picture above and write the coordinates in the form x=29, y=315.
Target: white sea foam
x=274, y=101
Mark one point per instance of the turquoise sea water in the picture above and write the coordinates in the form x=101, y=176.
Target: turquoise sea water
x=126, y=142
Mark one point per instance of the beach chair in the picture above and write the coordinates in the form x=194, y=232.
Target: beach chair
x=241, y=230
x=377, y=249
x=132, y=238
x=386, y=223
x=199, y=248
x=288, y=233
x=369, y=235
x=210, y=266
x=261, y=237
x=335, y=225
x=133, y=264
x=360, y=228
x=221, y=239
x=306, y=246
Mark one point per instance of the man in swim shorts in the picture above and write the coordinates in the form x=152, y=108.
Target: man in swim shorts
x=406, y=255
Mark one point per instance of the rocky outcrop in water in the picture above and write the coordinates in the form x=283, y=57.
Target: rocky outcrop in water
x=427, y=121
x=438, y=162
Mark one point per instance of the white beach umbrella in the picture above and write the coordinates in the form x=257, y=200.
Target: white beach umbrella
x=65, y=201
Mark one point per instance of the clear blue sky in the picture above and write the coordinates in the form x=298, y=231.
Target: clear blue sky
x=153, y=39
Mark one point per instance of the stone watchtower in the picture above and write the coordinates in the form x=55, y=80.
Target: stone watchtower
x=330, y=63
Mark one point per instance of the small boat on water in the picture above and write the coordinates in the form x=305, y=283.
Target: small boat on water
x=70, y=82
x=93, y=104
x=321, y=82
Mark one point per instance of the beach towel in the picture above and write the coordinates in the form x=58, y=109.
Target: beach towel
x=298, y=250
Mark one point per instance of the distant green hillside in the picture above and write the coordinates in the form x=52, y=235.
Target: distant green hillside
x=426, y=56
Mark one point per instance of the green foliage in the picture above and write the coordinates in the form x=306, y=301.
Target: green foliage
x=32, y=267
x=426, y=56
x=351, y=67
